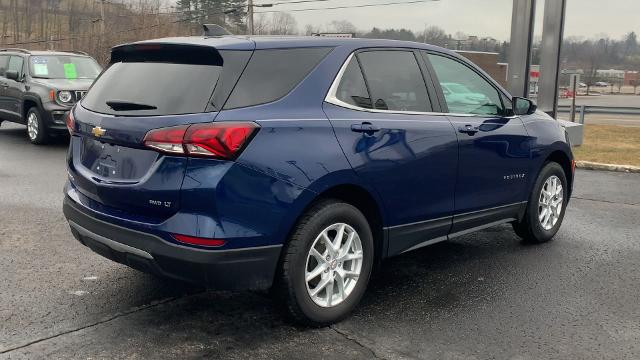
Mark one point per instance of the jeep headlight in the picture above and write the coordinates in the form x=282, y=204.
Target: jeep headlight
x=64, y=96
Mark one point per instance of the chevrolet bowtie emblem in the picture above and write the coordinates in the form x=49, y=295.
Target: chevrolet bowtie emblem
x=98, y=131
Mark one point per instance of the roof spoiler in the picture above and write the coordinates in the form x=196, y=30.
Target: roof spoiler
x=166, y=52
x=215, y=30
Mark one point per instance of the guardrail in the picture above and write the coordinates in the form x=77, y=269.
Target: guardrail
x=588, y=109
x=581, y=110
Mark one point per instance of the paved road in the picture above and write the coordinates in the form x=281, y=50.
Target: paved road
x=479, y=297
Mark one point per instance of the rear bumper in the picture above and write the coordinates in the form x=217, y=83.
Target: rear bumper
x=233, y=269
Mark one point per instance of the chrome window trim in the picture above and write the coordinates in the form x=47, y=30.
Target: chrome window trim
x=332, y=98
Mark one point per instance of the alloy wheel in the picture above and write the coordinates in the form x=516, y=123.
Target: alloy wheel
x=333, y=265
x=550, y=202
x=32, y=126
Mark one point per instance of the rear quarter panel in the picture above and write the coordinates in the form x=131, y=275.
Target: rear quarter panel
x=296, y=145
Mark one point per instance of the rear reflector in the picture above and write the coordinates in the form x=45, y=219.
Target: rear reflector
x=222, y=140
x=192, y=240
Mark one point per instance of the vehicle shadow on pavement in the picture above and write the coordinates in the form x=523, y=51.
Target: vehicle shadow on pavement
x=196, y=322
x=17, y=134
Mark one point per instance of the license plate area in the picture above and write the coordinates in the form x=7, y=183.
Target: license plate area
x=115, y=162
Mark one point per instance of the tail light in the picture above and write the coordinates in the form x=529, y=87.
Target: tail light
x=192, y=240
x=71, y=122
x=222, y=140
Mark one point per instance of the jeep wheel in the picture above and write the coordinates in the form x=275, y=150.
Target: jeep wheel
x=35, y=127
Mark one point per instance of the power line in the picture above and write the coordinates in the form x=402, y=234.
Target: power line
x=227, y=11
x=295, y=2
x=348, y=6
x=123, y=31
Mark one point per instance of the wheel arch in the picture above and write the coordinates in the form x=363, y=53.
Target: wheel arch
x=27, y=104
x=364, y=201
x=560, y=157
x=361, y=198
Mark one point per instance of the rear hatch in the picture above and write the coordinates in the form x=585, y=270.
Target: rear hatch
x=146, y=87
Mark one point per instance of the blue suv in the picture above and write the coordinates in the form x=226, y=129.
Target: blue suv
x=300, y=163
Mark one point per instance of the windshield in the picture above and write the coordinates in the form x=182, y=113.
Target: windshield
x=150, y=88
x=457, y=88
x=64, y=67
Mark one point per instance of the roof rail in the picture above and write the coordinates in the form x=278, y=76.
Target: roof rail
x=16, y=50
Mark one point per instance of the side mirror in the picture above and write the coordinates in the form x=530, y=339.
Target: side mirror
x=12, y=74
x=522, y=106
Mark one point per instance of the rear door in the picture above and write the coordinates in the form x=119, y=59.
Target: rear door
x=493, y=145
x=382, y=113
x=146, y=87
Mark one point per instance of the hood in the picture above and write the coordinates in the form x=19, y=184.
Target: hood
x=65, y=84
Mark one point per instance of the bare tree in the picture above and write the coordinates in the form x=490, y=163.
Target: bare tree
x=283, y=24
x=342, y=26
x=261, y=24
x=434, y=35
x=311, y=29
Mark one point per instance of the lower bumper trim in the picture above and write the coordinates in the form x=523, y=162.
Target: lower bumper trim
x=110, y=243
x=232, y=269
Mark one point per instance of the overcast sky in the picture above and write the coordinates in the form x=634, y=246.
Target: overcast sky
x=585, y=18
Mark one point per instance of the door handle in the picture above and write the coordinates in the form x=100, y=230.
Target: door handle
x=365, y=127
x=468, y=129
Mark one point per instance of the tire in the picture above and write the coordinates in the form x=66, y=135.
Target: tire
x=327, y=216
x=36, y=131
x=538, y=226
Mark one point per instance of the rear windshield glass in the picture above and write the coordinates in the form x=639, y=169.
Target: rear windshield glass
x=63, y=67
x=141, y=88
x=271, y=74
x=153, y=80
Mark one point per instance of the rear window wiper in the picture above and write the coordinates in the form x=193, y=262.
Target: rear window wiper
x=119, y=105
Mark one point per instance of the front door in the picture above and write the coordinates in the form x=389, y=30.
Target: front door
x=493, y=145
x=14, y=89
x=4, y=84
x=381, y=111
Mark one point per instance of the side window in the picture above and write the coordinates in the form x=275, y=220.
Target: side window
x=4, y=63
x=466, y=91
x=395, y=80
x=352, y=89
x=15, y=64
x=272, y=74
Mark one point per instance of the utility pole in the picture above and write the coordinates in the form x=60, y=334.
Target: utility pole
x=250, y=18
x=251, y=6
x=102, y=22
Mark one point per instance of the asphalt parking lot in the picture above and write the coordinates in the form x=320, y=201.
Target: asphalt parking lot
x=482, y=296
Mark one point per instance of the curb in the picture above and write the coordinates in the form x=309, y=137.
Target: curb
x=588, y=165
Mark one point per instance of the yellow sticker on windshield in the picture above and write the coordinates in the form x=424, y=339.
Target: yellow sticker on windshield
x=70, y=71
